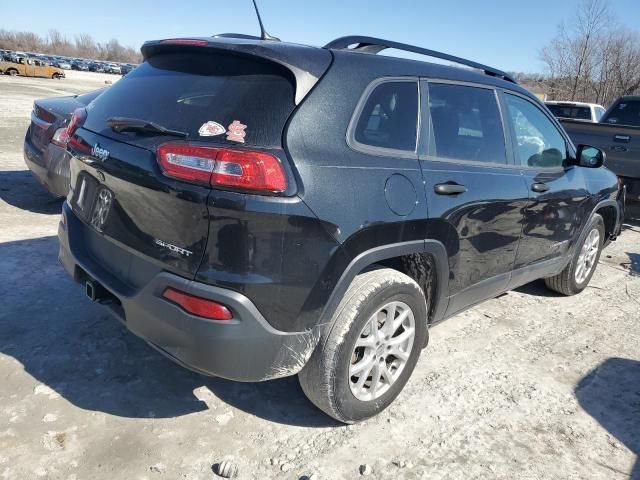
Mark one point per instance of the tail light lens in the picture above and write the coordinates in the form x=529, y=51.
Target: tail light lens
x=43, y=114
x=198, y=306
x=223, y=167
x=77, y=119
x=62, y=135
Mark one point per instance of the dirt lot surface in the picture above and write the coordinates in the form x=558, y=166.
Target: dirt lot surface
x=527, y=386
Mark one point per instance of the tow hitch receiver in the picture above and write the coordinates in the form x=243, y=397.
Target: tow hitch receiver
x=95, y=291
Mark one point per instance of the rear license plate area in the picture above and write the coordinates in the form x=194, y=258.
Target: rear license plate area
x=84, y=196
x=91, y=201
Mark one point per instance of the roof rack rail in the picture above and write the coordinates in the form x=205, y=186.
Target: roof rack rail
x=376, y=45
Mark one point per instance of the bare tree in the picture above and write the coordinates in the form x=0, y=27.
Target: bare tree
x=595, y=59
x=58, y=44
x=85, y=46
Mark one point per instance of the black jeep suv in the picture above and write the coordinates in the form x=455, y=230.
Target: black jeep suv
x=256, y=209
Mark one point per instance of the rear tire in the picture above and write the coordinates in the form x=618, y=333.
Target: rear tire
x=13, y=72
x=385, y=312
x=577, y=274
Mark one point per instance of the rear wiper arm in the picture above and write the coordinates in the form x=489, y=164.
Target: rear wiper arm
x=124, y=124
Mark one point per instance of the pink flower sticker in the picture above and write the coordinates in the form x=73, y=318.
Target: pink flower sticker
x=235, y=132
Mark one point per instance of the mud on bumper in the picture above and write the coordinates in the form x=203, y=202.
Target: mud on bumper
x=246, y=348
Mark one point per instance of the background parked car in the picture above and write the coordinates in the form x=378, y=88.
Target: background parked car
x=126, y=68
x=113, y=68
x=80, y=66
x=96, y=67
x=30, y=67
x=587, y=112
x=45, y=142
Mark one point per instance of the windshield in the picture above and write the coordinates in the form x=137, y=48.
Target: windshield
x=202, y=94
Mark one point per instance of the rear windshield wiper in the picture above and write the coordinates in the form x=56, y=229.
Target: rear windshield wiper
x=124, y=124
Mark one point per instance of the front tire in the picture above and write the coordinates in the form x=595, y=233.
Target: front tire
x=576, y=276
x=369, y=351
x=13, y=72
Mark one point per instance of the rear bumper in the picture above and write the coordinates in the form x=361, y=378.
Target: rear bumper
x=50, y=167
x=246, y=348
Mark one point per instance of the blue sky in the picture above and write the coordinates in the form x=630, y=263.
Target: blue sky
x=506, y=34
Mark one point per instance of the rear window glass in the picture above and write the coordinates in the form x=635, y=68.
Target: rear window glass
x=389, y=117
x=466, y=123
x=185, y=91
x=625, y=113
x=570, y=111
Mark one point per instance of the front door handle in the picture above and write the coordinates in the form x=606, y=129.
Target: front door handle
x=539, y=187
x=449, y=188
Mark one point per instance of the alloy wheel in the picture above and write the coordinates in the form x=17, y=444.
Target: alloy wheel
x=382, y=351
x=588, y=254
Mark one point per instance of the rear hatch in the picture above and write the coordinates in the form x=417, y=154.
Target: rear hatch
x=203, y=98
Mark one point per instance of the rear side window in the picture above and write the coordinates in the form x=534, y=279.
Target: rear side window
x=570, y=111
x=184, y=91
x=466, y=124
x=625, y=113
x=389, y=117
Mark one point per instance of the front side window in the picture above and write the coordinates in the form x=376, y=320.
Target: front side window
x=389, y=118
x=539, y=142
x=599, y=113
x=466, y=124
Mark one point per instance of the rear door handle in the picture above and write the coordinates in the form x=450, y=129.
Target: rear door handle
x=449, y=188
x=540, y=187
x=622, y=138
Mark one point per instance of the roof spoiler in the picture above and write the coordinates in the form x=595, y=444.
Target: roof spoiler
x=306, y=64
x=376, y=45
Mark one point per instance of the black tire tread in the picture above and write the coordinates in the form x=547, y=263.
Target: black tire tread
x=318, y=376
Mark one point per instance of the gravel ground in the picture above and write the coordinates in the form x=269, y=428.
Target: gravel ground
x=529, y=386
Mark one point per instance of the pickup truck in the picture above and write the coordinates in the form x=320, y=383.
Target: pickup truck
x=586, y=112
x=30, y=67
x=618, y=134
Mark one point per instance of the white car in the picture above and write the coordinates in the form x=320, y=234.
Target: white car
x=113, y=68
x=586, y=112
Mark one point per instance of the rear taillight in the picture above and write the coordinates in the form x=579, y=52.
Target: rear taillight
x=43, y=114
x=223, y=167
x=77, y=119
x=200, y=307
x=62, y=135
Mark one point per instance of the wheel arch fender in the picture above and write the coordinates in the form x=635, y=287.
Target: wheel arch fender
x=371, y=257
x=612, y=224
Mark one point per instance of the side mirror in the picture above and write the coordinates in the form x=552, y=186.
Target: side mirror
x=590, y=157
